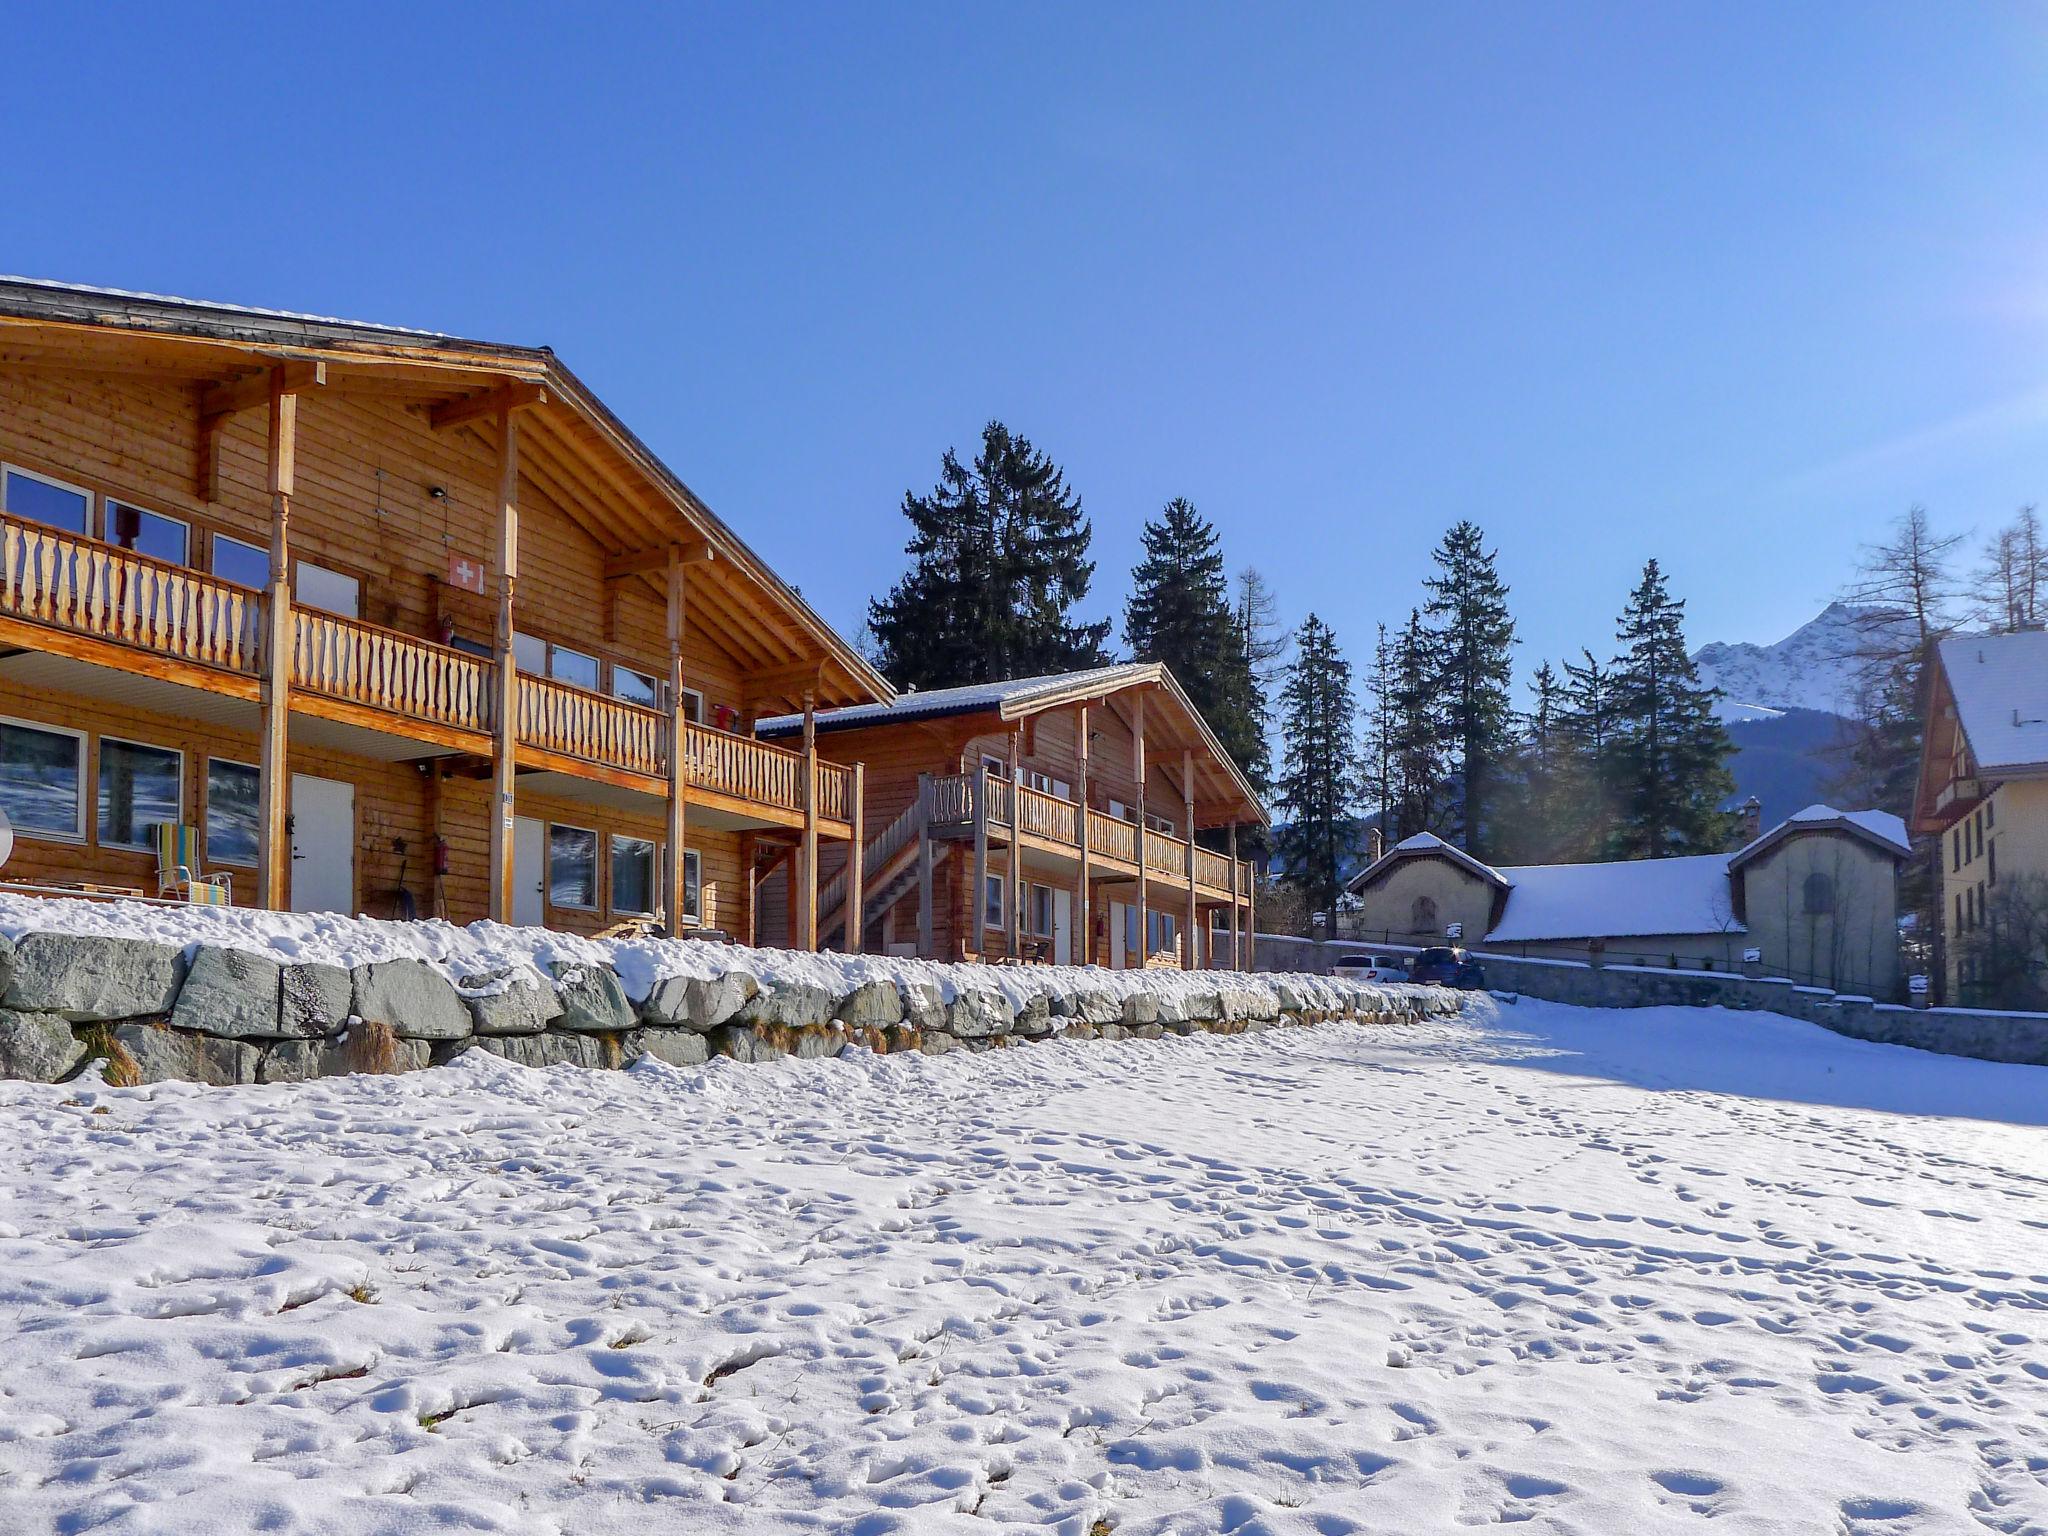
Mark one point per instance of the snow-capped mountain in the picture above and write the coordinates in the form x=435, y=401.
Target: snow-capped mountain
x=1814, y=667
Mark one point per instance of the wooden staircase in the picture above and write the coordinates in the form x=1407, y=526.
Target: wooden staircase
x=888, y=867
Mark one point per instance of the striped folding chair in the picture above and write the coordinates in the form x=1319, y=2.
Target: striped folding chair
x=177, y=864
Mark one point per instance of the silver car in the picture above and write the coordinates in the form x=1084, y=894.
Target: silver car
x=1380, y=968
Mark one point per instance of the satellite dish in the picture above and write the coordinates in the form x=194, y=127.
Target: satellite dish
x=6, y=838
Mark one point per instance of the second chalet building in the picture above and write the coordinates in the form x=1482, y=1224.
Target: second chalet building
x=1088, y=817
x=316, y=615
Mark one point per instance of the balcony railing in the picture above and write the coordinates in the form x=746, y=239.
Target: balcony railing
x=576, y=722
x=89, y=588
x=357, y=663
x=765, y=775
x=1110, y=838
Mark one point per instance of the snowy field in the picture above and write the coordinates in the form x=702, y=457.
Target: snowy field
x=1599, y=1272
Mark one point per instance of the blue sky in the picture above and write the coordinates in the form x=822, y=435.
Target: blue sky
x=1725, y=285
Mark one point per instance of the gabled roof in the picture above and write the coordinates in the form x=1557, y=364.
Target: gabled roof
x=632, y=505
x=2000, y=687
x=1426, y=845
x=1879, y=828
x=1018, y=698
x=1626, y=899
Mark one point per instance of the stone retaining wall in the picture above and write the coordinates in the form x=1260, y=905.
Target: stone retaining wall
x=153, y=1012
x=1984, y=1034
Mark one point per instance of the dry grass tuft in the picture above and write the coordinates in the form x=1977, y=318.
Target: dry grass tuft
x=373, y=1047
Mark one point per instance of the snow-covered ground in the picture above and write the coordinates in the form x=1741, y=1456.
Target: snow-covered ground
x=1598, y=1271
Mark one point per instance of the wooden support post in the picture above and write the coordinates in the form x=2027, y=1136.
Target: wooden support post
x=1138, y=837
x=977, y=895
x=1187, y=795
x=750, y=850
x=924, y=869
x=1236, y=907
x=1084, y=931
x=856, y=856
x=1013, y=926
x=808, y=854
x=678, y=745
x=789, y=862
x=274, y=766
x=1251, y=922
x=505, y=708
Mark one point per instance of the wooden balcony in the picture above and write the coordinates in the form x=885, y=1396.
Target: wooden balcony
x=91, y=601
x=1050, y=824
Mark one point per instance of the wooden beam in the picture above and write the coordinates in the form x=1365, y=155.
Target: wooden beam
x=1013, y=919
x=678, y=755
x=518, y=395
x=1084, y=948
x=504, y=757
x=1236, y=908
x=808, y=849
x=641, y=561
x=254, y=389
x=784, y=682
x=855, y=857
x=925, y=941
x=1187, y=795
x=1138, y=835
x=273, y=771
x=206, y=472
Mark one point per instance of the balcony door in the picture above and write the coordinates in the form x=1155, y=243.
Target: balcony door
x=323, y=833
x=529, y=871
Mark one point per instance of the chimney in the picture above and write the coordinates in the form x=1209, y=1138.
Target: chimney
x=1749, y=822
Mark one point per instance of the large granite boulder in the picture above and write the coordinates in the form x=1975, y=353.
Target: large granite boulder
x=592, y=999
x=700, y=1003
x=313, y=1000
x=672, y=1044
x=977, y=1013
x=1034, y=1016
x=299, y=1061
x=37, y=1047
x=161, y=1054
x=503, y=1002
x=790, y=1004
x=1140, y=1008
x=551, y=1048
x=6, y=962
x=413, y=998
x=924, y=1004
x=1093, y=1006
x=231, y=993
x=90, y=980
x=871, y=1005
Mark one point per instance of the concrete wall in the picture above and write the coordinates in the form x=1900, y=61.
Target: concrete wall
x=1980, y=1033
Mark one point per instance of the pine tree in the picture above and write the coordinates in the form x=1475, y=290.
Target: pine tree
x=1180, y=613
x=1471, y=639
x=999, y=558
x=1671, y=756
x=1416, y=747
x=1536, y=825
x=1586, y=717
x=1376, y=774
x=1318, y=787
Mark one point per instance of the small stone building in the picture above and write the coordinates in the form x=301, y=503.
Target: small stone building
x=1815, y=894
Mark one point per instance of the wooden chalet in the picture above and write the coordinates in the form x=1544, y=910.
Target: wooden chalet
x=1085, y=818
x=387, y=621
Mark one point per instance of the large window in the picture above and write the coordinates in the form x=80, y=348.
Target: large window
x=231, y=812
x=148, y=533
x=572, y=667
x=42, y=777
x=572, y=868
x=140, y=787
x=43, y=500
x=1818, y=895
x=244, y=564
x=1422, y=915
x=693, y=886
x=1160, y=929
x=633, y=875
x=635, y=687
x=1038, y=910
x=329, y=591
x=992, y=902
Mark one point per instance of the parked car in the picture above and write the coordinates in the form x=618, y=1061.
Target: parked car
x=1381, y=968
x=1443, y=966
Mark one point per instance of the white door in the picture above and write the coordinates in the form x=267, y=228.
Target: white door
x=1062, y=927
x=323, y=815
x=1117, y=919
x=529, y=870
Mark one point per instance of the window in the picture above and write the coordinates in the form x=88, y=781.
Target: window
x=992, y=902
x=1990, y=813
x=635, y=687
x=572, y=667
x=329, y=591
x=43, y=500
x=1422, y=915
x=1160, y=930
x=148, y=533
x=1959, y=911
x=140, y=787
x=1130, y=930
x=693, y=886
x=243, y=564
x=693, y=706
x=231, y=812
x=1817, y=896
x=1120, y=811
x=1160, y=823
x=530, y=654
x=42, y=775
x=633, y=866
x=1045, y=783
x=572, y=868
x=995, y=767
x=1991, y=865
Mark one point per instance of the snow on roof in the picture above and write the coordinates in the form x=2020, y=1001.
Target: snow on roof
x=1425, y=842
x=256, y=312
x=1631, y=899
x=2000, y=684
x=969, y=698
x=1879, y=826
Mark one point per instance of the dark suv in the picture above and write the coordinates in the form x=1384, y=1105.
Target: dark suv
x=1445, y=967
